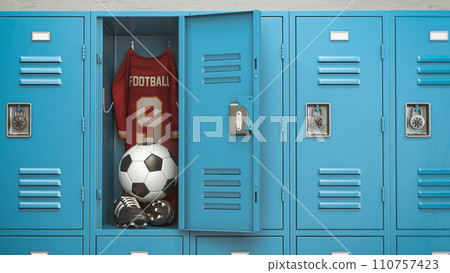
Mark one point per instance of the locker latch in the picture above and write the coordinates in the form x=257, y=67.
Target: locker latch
x=240, y=116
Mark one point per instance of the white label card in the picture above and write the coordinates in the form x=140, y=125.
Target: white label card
x=338, y=35
x=438, y=35
x=40, y=36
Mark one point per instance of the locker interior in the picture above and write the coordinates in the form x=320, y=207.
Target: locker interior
x=152, y=35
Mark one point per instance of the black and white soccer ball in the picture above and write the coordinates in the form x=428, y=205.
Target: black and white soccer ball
x=148, y=172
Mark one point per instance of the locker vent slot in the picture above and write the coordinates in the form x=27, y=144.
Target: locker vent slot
x=221, y=57
x=218, y=206
x=434, y=171
x=221, y=171
x=433, y=70
x=330, y=205
x=40, y=65
x=339, y=82
x=40, y=59
x=433, y=59
x=42, y=188
x=434, y=194
x=327, y=182
x=339, y=59
x=222, y=183
x=219, y=80
x=434, y=205
x=213, y=194
x=340, y=194
x=340, y=171
x=40, y=82
x=40, y=171
x=339, y=70
x=434, y=182
x=40, y=70
x=221, y=68
x=39, y=205
x=434, y=198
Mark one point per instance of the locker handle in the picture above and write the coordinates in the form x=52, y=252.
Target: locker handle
x=340, y=253
x=440, y=252
x=239, y=253
x=38, y=252
x=139, y=253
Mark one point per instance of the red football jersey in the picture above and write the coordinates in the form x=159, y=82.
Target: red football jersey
x=145, y=95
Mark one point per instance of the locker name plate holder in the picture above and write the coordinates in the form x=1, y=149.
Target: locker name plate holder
x=240, y=116
x=18, y=120
x=417, y=119
x=318, y=120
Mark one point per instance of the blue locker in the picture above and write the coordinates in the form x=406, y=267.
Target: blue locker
x=239, y=245
x=340, y=245
x=43, y=174
x=423, y=162
x=129, y=245
x=222, y=180
x=423, y=245
x=339, y=177
x=29, y=245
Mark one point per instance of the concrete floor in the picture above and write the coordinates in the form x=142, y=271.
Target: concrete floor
x=225, y=5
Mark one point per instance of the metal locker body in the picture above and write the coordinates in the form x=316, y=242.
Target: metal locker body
x=423, y=164
x=43, y=174
x=339, y=178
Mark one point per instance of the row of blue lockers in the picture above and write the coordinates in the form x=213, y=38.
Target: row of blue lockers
x=355, y=134
x=225, y=245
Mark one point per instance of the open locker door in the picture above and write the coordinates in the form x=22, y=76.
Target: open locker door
x=219, y=178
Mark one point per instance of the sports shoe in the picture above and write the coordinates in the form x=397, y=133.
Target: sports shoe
x=160, y=213
x=128, y=212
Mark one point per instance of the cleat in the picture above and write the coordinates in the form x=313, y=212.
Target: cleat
x=160, y=213
x=128, y=212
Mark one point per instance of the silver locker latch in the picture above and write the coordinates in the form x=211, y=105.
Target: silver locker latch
x=240, y=116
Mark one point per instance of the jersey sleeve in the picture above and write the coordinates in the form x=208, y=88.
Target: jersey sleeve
x=174, y=99
x=120, y=97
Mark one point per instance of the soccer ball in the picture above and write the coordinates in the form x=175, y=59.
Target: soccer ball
x=148, y=172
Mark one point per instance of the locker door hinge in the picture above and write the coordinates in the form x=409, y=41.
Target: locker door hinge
x=99, y=58
x=98, y=194
x=82, y=194
x=382, y=51
x=382, y=194
x=282, y=127
x=282, y=194
x=82, y=124
x=83, y=52
x=382, y=124
x=282, y=51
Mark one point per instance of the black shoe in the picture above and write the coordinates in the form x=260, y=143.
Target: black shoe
x=160, y=213
x=128, y=212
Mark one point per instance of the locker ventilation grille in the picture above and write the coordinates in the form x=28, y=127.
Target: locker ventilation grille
x=40, y=70
x=39, y=188
x=434, y=193
x=221, y=68
x=338, y=188
x=433, y=70
x=339, y=70
x=221, y=189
